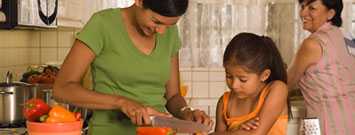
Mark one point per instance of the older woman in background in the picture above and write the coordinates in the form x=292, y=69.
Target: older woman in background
x=323, y=68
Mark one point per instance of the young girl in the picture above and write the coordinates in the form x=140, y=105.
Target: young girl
x=257, y=79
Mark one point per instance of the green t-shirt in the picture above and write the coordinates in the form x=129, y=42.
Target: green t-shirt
x=119, y=68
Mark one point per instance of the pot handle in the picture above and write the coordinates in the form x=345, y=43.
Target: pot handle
x=5, y=93
x=8, y=77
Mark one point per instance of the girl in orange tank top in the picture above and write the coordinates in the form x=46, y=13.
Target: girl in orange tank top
x=257, y=80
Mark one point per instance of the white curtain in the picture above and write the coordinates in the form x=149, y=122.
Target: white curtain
x=209, y=25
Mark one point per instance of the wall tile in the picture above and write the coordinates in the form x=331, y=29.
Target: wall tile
x=49, y=39
x=19, y=38
x=7, y=38
x=200, y=89
x=185, y=76
x=49, y=55
x=200, y=76
x=189, y=89
x=203, y=101
x=18, y=56
x=216, y=69
x=203, y=108
x=62, y=53
x=34, y=56
x=212, y=110
x=3, y=73
x=217, y=76
x=217, y=89
x=35, y=39
x=5, y=57
x=65, y=38
x=13, y=56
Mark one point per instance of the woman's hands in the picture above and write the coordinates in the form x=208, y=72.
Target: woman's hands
x=137, y=113
x=198, y=116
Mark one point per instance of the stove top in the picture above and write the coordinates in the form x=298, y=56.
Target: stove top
x=14, y=125
x=13, y=129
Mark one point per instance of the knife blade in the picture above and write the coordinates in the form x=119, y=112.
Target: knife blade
x=180, y=126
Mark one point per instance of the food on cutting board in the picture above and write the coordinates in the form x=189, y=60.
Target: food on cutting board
x=36, y=110
x=155, y=131
x=40, y=74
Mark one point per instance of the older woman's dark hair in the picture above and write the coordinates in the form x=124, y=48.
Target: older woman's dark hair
x=169, y=8
x=336, y=5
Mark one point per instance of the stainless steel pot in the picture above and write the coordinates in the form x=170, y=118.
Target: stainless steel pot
x=12, y=98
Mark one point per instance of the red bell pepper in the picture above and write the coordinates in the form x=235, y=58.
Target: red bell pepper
x=35, y=108
x=155, y=131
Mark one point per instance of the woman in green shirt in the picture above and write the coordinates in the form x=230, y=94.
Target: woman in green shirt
x=133, y=55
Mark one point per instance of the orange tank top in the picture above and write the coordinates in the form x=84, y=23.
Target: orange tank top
x=279, y=127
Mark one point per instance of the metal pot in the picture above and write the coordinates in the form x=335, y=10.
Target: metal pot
x=12, y=98
x=44, y=92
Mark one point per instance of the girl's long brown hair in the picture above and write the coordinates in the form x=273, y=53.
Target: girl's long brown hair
x=257, y=53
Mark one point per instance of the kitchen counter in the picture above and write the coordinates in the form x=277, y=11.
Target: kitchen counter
x=298, y=111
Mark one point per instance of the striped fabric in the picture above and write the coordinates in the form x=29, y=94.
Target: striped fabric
x=329, y=86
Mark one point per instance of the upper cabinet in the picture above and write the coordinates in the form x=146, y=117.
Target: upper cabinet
x=75, y=13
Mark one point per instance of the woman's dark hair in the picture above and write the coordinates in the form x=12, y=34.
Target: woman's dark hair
x=256, y=53
x=169, y=8
x=336, y=5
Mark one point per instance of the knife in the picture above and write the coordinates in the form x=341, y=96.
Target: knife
x=180, y=126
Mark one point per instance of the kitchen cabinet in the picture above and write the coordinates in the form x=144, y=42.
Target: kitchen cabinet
x=75, y=13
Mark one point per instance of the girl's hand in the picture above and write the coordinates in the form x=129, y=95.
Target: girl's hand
x=137, y=113
x=251, y=124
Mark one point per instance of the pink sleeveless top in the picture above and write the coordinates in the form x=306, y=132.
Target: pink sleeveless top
x=329, y=86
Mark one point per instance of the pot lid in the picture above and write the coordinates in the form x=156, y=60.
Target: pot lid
x=4, y=84
x=8, y=81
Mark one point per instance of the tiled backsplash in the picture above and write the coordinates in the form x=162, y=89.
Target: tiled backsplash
x=21, y=48
x=204, y=87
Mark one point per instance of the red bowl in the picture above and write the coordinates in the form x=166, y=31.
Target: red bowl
x=68, y=128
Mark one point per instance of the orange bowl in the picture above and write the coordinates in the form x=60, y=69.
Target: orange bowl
x=68, y=128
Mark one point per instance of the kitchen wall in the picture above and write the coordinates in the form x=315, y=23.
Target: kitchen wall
x=22, y=48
